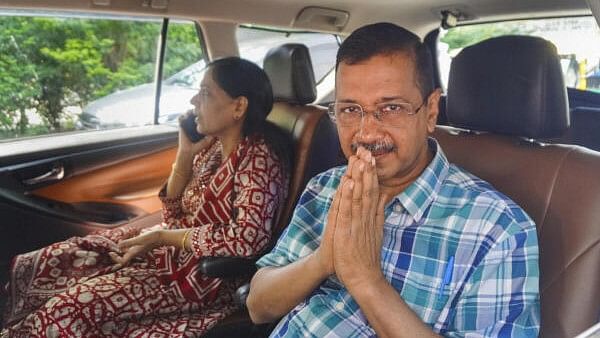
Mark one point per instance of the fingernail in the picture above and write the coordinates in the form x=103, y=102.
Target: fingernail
x=361, y=167
x=351, y=185
x=373, y=161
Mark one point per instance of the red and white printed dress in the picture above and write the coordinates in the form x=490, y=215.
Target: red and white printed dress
x=70, y=289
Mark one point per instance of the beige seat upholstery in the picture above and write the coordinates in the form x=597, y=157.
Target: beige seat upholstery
x=507, y=92
x=312, y=133
x=314, y=136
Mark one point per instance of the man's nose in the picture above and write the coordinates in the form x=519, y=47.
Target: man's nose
x=369, y=125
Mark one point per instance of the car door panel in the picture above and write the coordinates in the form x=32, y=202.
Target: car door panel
x=104, y=185
x=134, y=182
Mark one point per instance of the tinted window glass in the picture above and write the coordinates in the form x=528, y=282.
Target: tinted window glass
x=255, y=43
x=576, y=39
x=66, y=72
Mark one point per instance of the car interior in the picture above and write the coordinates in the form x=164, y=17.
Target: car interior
x=506, y=115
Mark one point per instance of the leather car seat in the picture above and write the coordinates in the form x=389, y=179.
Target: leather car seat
x=503, y=95
x=314, y=135
x=289, y=68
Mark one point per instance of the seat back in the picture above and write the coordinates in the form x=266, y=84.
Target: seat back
x=502, y=94
x=289, y=68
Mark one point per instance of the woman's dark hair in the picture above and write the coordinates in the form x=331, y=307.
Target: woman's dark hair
x=240, y=77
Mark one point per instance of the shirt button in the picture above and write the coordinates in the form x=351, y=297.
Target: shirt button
x=339, y=306
x=398, y=208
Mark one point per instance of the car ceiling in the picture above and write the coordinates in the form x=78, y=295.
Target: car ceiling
x=419, y=16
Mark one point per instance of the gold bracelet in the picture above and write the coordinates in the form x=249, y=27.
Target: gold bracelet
x=185, y=237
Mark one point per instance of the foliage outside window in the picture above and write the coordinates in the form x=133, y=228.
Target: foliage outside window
x=53, y=67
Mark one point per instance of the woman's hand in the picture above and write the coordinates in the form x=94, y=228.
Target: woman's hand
x=186, y=146
x=136, y=246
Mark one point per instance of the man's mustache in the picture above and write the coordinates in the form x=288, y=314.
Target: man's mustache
x=373, y=147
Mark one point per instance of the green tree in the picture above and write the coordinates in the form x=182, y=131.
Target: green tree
x=19, y=86
x=49, y=64
x=464, y=36
x=183, y=48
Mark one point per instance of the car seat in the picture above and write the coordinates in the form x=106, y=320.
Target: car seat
x=316, y=149
x=503, y=95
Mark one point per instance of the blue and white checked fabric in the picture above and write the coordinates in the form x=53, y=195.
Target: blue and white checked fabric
x=463, y=256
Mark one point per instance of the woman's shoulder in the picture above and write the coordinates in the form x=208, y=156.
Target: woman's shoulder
x=256, y=146
x=255, y=142
x=212, y=152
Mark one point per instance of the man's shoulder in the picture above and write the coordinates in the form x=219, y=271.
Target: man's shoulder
x=465, y=189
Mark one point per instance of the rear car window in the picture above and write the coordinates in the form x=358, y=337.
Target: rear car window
x=576, y=39
x=254, y=43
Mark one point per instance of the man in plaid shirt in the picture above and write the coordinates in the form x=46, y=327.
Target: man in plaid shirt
x=398, y=243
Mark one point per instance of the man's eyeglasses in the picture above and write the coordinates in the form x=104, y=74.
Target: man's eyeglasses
x=392, y=113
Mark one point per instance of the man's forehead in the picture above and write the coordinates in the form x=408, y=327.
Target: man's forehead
x=388, y=58
x=376, y=77
x=398, y=64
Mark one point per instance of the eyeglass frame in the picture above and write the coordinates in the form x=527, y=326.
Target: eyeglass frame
x=376, y=113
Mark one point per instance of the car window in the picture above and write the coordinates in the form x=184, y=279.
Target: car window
x=66, y=72
x=576, y=39
x=254, y=43
x=183, y=70
x=135, y=105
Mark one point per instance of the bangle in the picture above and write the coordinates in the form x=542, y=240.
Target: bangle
x=185, y=237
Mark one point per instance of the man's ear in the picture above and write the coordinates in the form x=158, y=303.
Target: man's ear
x=433, y=109
x=241, y=105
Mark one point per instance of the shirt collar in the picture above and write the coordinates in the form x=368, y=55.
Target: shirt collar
x=417, y=197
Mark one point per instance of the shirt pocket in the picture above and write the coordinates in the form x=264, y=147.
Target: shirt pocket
x=426, y=295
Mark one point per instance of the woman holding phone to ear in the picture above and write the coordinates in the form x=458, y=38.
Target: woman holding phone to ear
x=221, y=199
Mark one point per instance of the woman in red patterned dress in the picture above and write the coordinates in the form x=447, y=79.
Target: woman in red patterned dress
x=221, y=199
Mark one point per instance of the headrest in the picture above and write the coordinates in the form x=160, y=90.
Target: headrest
x=290, y=70
x=508, y=85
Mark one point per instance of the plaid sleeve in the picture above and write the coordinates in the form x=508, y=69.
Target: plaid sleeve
x=501, y=298
x=303, y=235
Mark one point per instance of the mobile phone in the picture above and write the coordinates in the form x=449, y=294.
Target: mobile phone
x=189, y=126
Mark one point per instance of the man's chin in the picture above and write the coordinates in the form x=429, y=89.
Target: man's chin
x=383, y=171
x=387, y=166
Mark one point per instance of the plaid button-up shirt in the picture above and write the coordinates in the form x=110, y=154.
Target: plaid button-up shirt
x=463, y=257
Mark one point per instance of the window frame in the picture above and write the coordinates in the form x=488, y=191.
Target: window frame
x=16, y=150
